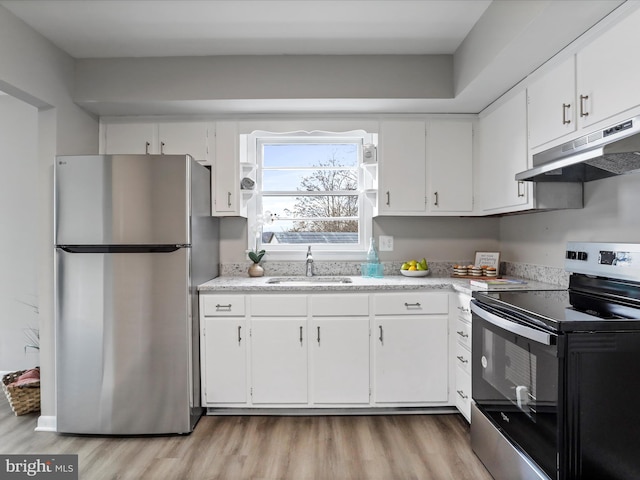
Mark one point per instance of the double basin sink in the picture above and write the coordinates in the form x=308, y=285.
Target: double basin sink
x=308, y=280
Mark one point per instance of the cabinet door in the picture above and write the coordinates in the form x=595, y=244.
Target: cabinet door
x=340, y=360
x=450, y=161
x=551, y=107
x=130, y=138
x=608, y=73
x=503, y=153
x=185, y=138
x=279, y=360
x=225, y=368
x=411, y=359
x=402, y=165
x=226, y=178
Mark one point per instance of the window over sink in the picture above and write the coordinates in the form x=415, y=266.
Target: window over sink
x=309, y=191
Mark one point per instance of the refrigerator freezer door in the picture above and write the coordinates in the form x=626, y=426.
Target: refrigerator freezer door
x=123, y=343
x=122, y=199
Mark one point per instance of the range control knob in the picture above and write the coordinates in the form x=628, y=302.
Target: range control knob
x=582, y=256
x=571, y=255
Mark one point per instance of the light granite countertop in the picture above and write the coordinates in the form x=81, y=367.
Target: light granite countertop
x=236, y=284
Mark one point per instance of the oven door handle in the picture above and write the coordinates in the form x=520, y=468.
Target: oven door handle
x=522, y=330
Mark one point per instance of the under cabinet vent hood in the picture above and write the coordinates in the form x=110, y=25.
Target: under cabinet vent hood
x=606, y=153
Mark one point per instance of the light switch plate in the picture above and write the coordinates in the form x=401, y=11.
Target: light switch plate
x=386, y=243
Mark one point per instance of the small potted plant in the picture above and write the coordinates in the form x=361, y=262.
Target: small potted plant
x=256, y=270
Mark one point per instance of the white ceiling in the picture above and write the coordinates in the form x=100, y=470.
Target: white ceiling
x=152, y=28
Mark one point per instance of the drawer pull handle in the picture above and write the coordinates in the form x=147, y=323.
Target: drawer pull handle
x=462, y=395
x=381, y=338
x=410, y=305
x=462, y=334
x=146, y=147
x=318, y=335
x=161, y=148
x=221, y=308
x=462, y=359
x=239, y=334
x=300, y=336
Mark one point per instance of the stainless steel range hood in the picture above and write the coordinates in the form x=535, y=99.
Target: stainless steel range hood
x=606, y=153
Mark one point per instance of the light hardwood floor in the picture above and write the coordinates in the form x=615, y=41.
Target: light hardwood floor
x=390, y=447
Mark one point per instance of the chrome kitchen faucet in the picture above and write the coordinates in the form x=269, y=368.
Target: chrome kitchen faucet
x=309, y=262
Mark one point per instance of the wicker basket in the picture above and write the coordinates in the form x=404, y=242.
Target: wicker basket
x=23, y=399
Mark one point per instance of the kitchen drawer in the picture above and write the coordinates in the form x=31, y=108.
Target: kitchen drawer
x=278, y=305
x=413, y=303
x=340, y=305
x=463, y=393
x=223, y=305
x=463, y=306
x=463, y=358
x=463, y=333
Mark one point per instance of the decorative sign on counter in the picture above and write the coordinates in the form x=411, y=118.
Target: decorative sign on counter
x=488, y=259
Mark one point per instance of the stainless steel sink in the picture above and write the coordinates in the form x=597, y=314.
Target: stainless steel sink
x=308, y=280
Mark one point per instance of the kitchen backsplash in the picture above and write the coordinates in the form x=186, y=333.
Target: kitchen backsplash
x=541, y=273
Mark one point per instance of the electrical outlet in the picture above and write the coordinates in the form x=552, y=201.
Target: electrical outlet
x=386, y=243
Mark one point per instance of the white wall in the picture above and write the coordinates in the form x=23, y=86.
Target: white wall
x=611, y=213
x=18, y=235
x=36, y=72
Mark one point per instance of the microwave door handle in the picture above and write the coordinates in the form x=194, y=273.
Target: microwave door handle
x=522, y=330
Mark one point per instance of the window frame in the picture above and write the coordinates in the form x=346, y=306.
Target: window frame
x=355, y=251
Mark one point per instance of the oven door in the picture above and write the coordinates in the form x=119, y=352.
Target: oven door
x=515, y=377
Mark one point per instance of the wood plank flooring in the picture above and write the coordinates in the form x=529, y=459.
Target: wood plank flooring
x=389, y=447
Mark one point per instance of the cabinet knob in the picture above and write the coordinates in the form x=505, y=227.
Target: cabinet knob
x=436, y=201
x=146, y=148
x=520, y=191
x=462, y=334
x=462, y=395
x=229, y=199
x=388, y=198
x=161, y=148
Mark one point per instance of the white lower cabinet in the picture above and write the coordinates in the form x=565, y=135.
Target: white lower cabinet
x=339, y=348
x=279, y=360
x=225, y=347
x=462, y=356
x=223, y=339
x=340, y=361
x=411, y=348
x=326, y=350
x=278, y=349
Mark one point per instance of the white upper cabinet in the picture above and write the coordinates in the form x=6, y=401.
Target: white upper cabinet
x=158, y=139
x=129, y=138
x=503, y=152
x=608, y=73
x=450, y=166
x=185, y=137
x=226, y=192
x=596, y=84
x=402, y=168
x=551, y=104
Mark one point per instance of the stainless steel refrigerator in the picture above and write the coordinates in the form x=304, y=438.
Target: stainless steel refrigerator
x=134, y=237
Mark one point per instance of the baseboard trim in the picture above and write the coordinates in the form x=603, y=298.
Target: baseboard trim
x=47, y=423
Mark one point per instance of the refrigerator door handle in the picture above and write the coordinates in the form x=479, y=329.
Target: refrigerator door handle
x=120, y=248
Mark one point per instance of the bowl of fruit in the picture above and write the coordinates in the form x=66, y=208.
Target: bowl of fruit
x=414, y=268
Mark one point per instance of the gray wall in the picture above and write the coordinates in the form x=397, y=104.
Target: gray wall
x=611, y=213
x=18, y=236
